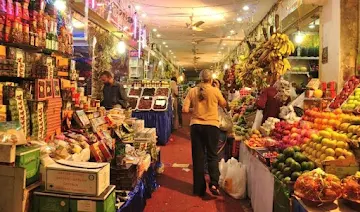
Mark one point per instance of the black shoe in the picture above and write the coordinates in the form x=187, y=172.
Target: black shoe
x=214, y=190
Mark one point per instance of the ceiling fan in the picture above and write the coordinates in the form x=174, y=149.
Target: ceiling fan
x=195, y=51
x=195, y=42
x=194, y=26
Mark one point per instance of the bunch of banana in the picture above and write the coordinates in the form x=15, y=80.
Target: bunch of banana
x=282, y=43
x=280, y=67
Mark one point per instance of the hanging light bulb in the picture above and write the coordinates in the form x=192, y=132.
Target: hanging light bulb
x=181, y=78
x=214, y=75
x=121, y=47
x=299, y=37
x=226, y=66
x=60, y=5
x=312, y=25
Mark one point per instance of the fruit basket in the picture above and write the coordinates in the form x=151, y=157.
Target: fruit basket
x=316, y=187
x=162, y=92
x=160, y=103
x=145, y=103
x=351, y=188
x=148, y=92
x=133, y=101
x=135, y=92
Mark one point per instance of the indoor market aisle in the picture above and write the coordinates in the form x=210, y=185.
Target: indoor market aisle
x=175, y=192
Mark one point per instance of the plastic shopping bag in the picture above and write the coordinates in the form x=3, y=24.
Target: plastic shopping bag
x=258, y=120
x=223, y=170
x=233, y=178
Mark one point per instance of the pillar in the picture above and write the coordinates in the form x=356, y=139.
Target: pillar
x=339, y=39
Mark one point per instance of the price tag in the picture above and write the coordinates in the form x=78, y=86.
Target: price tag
x=160, y=102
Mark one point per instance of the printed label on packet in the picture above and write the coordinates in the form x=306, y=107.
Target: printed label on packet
x=86, y=205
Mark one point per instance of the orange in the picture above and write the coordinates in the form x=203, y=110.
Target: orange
x=338, y=111
x=324, y=121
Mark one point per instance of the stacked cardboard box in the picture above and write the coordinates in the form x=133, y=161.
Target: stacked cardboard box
x=124, y=178
x=53, y=116
x=76, y=186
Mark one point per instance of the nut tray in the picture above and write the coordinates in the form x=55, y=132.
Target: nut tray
x=162, y=92
x=147, y=100
x=135, y=92
x=160, y=103
x=133, y=101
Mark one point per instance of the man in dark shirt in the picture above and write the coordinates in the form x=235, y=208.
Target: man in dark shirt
x=114, y=92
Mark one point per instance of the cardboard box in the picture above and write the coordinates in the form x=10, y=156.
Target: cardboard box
x=341, y=168
x=44, y=202
x=28, y=158
x=8, y=152
x=14, y=196
x=85, y=178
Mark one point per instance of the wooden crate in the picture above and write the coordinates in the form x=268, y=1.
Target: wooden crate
x=14, y=196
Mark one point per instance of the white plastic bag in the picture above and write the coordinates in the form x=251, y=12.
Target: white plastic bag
x=223, y=170
x=233, y=178
x=258, y=120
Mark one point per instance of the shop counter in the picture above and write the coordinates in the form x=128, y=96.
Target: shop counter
x=337, y=206
x=161, y=120
x=260, y=181
x=143, y=190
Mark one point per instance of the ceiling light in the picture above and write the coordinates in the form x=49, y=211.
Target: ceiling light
x=174, y=56
x=299, y=37
x=137, y=7
x=158, y=35
x=232, y=31
x=312, y=25
x=143, y=15
x=214, y=75
x=170, y=50
x=164, y=43
x=246, y=8
x=228, y=36
x=77, y=24
x=166, y=46
x=239, y=19
x=219, y=52
x=121, y=47
x=154, y=30
x=222, y=48
x=60, y=5
x=226, y=66
x=224, y=44
x=172, y=53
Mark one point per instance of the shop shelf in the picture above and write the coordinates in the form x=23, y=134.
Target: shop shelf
x=302, y=58
x=298, y=73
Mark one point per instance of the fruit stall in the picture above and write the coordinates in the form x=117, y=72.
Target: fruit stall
x=151, y=101
x=307, y=157
x=315, y=159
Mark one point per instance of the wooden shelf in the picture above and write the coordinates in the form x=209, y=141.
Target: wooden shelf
x=302, y=58
x=297, y=73
x=34, y=49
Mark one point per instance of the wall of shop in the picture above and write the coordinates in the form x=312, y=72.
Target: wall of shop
x=330, y=39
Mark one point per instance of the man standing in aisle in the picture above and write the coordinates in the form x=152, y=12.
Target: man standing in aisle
x=114, y=92
x=175, y=94
x=180, y=102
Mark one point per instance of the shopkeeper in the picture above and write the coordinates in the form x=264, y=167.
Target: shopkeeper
x=113, y=92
